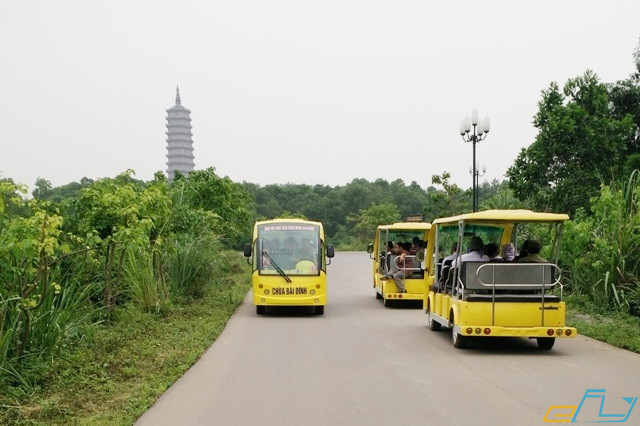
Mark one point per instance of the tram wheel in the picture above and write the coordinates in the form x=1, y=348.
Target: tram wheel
x=546, y=343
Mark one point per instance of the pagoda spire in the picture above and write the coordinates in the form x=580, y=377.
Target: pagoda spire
x=177, y=95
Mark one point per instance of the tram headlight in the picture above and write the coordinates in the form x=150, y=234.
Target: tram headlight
x=266, y=292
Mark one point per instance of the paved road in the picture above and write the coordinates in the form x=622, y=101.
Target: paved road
x=363, y=364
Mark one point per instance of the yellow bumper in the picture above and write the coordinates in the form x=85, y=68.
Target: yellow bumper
x=316, y=300
x=497, y=331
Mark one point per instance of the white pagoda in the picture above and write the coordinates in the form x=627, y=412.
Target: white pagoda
x=179, y=142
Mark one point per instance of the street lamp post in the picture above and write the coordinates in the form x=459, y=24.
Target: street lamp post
x=479, y=133
x=476, y=174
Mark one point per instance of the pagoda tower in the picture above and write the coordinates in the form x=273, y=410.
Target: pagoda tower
x=179, y=142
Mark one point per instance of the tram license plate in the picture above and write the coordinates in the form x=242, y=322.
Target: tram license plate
x=289, y=290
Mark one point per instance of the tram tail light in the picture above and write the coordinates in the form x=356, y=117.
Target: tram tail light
x=469, y=330
x=567, y=332
x=487, y=330
x=478, y=330
x=559, y=332
x=550, y=332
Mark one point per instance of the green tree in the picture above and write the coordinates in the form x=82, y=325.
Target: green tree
x=502, y=199
x=42, y=189
x=579, y=144
x=625, y=101
x=230, y=201
x=367, y=220
x=449, y=201
x=119, y=214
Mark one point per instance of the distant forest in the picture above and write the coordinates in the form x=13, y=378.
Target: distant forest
x=349, y=213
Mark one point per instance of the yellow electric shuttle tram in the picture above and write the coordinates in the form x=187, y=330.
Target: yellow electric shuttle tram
x=502, y=297
x=288, y=258
x=386, y=262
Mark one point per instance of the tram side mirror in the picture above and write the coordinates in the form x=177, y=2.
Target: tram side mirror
x=247, y=250
x=370, y=251
x=330, y=250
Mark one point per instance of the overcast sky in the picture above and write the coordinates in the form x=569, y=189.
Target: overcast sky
x=291, y=91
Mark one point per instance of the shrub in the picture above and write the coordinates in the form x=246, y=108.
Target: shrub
x=602, y=251
x=191, y=262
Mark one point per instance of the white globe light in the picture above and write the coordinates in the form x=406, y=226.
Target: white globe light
x=474, y=117
x=467, y=124
x=487, y=124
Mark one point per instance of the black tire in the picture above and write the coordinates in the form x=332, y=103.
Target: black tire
x=433, y=324
x=546, y=343
x=319, y=310
x=260, y=309
x=378, y=295
x=459, y=341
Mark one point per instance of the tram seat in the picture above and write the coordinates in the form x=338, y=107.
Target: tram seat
x=513, y=281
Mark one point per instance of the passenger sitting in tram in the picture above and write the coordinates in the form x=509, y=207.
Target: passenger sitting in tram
x=491, y=251
x=453, y=254
x=475, y=252
x=533, y=252
x=421, y=252
x=508, y=252
x=388, y=254
x=400, y=267
x=290, y=245
x=445, y=266
x=307, y=251
x=415, y=246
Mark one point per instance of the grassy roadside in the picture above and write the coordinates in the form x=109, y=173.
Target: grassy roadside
x=116, y=374
x=615, y=328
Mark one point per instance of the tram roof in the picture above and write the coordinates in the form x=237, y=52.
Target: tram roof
x=407, y=226
x=506, y=216
x=292, y=220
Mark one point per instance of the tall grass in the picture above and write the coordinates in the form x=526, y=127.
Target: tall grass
x=192, y=262
x=61, y=318
x=602, y=251
x=145, y=281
